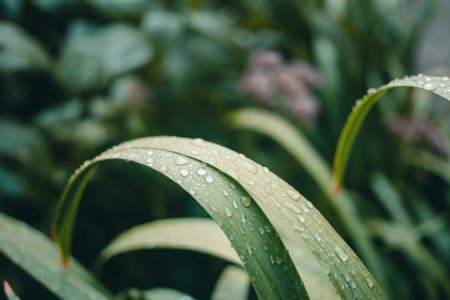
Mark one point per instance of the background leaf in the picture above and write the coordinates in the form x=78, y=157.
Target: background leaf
x=437, y=85
x=38, y=256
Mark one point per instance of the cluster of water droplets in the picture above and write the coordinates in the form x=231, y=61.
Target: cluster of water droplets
x=333, y=254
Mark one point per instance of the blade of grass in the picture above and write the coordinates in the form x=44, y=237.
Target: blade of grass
x=38, y=256
x=273, y=273
x=298, y=146
x=204, y=235
x=233, y=283
x=437, y=85
x=283, y=205
x=9, y=292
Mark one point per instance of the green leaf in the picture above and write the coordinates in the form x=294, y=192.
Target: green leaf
x=300, y=148
x=204, y=235
x=19, y=51
x=233, y=283
x=37, y=255
x=273, y=273
x=196, y=234
x=437, y=85
x=9, y=292
x=219, y=178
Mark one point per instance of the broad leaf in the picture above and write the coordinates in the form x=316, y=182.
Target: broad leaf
x=273, y=273
x=38, y=256
x=223, y=181
x=437, y=85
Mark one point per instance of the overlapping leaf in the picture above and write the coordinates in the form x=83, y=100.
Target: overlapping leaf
x=259, y=247
x=225, y=178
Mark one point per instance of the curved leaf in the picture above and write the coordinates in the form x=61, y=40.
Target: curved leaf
x=299, y=147
x=437, y=85
x=38, y=256
x=273, y=273
x=285, y=207
x=233, y=283
x=204, y=235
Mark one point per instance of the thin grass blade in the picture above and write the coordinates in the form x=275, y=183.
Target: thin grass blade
x=437, y=85
x=9, y=292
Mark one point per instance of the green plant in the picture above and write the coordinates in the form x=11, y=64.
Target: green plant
x=268, y=223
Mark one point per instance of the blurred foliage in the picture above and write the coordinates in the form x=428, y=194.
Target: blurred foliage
x=79, y=76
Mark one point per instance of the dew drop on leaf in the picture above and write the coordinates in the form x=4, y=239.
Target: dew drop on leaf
x=246, y=201
x=209, y=178
x=201, y=171
x=184, y=172
x=228, y=212
x=181, y=161
x=341, y=253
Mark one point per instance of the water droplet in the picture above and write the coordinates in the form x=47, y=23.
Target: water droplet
x=228, y=212
x=199, y=142
x=292, y=207
x=265, y=169
x=446, y=78
x=246, y=201
x=251, y=167
x=309, y=204
x=267, y=228
x=371, y=91
x=251, y=182
x=293, y=194
x=420, y=82
x=191, y=191
x=181, y=161
x=341, y=253
x=149, y=153
x=299, y=228
x=163, y=168
x=232, y=186
x=201, y=171
x=209, y=178
x=184, y=172
x=150, y=161
x=278, y=259
x=225, y=193
x=195, y=152
x=261, y=230
x=235, y=204
x=369, y=282
x=317, y=237
x=304, y=208
x=429, y=86
x=427, y=78
x=272, y=259
x=442, y=85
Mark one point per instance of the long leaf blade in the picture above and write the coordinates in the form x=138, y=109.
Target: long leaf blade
x=38, y=256
x=437, y=85
x=273, y=273
x=204, y=235
x=196, y=234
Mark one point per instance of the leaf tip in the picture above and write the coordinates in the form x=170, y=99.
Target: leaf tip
x=336, y=188
x=7, y=287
